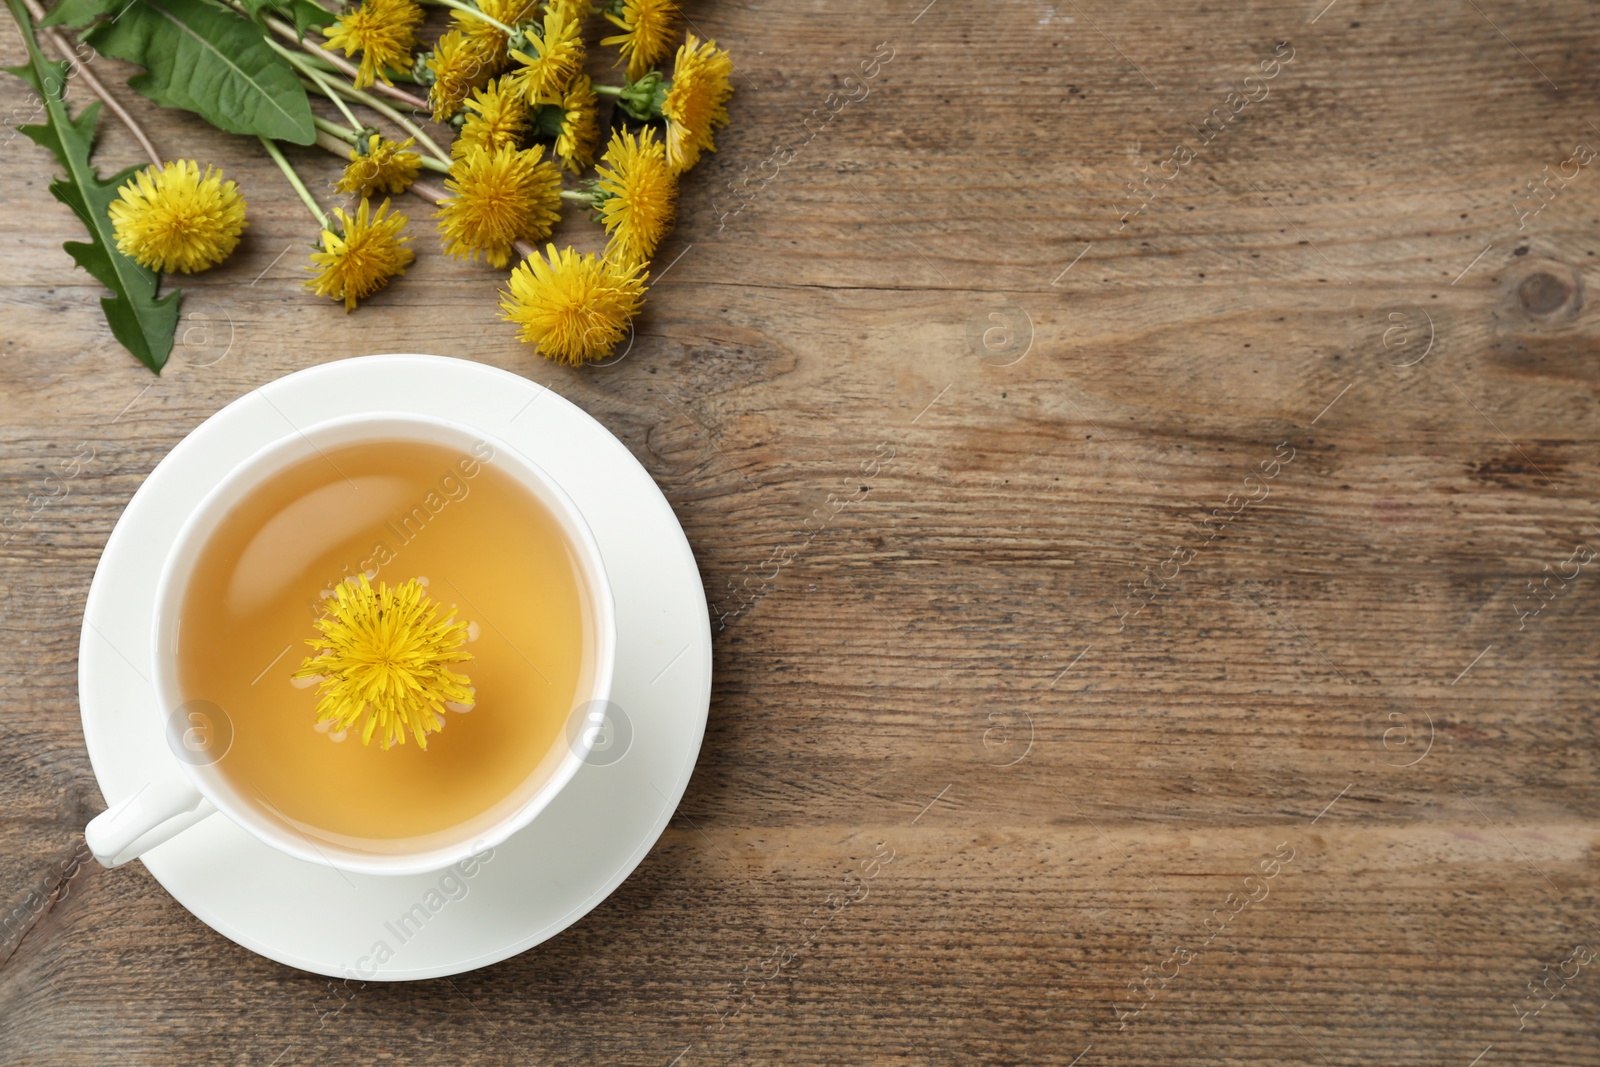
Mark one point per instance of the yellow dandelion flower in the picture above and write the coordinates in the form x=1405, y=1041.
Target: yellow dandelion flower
x=510, y=12
x=497, y=117
x=176, y=219
x=381, y=165
x=580, y=125
x=647, y=29
x=574, y=307
x=500, y=197
x=458, y=66
x=383, y=31
x=385, y=655
x=360, y=260
x=637, y=195
x=557, y=57
x=487, y=40
x=578, y=10
x=696, y=103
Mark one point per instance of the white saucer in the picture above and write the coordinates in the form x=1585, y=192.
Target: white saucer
x=544, y=878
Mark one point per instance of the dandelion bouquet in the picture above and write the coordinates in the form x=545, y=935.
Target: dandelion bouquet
x=503, y=84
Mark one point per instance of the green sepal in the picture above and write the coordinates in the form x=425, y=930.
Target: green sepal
x=546, y=119
x=645, y=98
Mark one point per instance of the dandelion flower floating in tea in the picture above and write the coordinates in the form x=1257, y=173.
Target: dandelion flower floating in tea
x=385, y=655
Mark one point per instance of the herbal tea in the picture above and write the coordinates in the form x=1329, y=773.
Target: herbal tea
x=475, y=541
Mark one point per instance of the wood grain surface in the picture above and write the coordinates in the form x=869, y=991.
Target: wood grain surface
x=1148, y=536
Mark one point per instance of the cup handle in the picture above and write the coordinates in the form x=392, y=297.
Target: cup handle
x=129, y=828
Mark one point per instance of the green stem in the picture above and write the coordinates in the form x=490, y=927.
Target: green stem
x=388, y=112
x=294, y=180
x=344, y=109
x=399, y=120
x=329, y=142
x=95, y=85
x=395, y=117
x=317, y=56
x=287, y=32
x=573, y=194
x=326, y=84
x=643, y=99
x=290, y=34
x=348, y=136
x=344, y=66
x=356, y=140
x=457, y=5
x=301, y=62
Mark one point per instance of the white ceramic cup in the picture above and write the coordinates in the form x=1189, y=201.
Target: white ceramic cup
x=193, y=789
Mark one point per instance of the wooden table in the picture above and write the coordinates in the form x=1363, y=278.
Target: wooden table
x=1167, y=544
